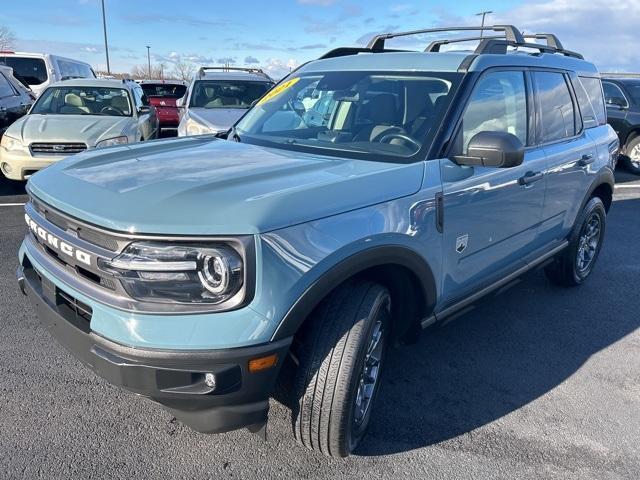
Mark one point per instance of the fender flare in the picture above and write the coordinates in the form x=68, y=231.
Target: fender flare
x=604, y=176
x=397, y=255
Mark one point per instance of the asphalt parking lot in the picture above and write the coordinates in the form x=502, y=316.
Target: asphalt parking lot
x=538, y=382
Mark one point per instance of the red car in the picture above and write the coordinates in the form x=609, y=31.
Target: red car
x=162, y=94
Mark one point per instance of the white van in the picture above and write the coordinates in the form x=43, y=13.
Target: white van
x=39, y=70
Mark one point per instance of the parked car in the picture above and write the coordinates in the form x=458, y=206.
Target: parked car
x=622, y=96
x=163, y=94
x=198, y=271
x=39, y=70
x=73, y=116
x=15, y=98
x=218, y=96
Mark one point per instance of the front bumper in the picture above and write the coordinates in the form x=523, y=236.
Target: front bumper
x=175, y=379
x=20, y=164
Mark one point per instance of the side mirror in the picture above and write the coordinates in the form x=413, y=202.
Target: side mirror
x=618, y=102
x=180, y=102
x=144, y=110
x=493, y=149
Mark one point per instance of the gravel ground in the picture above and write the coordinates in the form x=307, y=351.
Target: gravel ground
x=539, y=382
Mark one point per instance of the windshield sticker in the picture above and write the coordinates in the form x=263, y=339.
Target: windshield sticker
x=278, y=90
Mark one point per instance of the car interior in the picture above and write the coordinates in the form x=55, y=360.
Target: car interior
x=84, y=101
x=227, y=94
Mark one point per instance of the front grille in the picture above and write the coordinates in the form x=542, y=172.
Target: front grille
x=58, y=148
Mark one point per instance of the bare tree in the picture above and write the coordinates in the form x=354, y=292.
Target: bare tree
x=183, y=70
x=7, y=38
x=141, y=72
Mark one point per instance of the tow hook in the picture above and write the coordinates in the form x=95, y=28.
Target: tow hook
x=20, y=278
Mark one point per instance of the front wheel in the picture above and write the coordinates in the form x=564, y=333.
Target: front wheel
x=632, y=159
x=576, y=262
x=340, y=360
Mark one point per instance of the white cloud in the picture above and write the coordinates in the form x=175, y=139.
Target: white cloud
x=278, y=68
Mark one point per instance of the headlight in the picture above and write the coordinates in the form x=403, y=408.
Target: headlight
x=10, y=143
x=109, y=142
x=196, y=128
x=185, y=274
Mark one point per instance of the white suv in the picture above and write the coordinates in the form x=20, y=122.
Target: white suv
x=218, y=97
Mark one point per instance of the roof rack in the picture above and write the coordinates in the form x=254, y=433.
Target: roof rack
x=509, y=36
x=258, y=71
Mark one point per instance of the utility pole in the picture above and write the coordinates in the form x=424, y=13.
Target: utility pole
x=106, y=45
x=149, y=60
x=483, y=14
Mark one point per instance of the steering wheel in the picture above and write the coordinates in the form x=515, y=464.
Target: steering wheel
x=391, y=136
x=108, y=109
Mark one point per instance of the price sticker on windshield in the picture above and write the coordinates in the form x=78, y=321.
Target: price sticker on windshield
x=278, y=90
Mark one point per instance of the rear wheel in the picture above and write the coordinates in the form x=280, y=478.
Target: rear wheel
x=632, y=159
x=576, y=262
x=340, y=360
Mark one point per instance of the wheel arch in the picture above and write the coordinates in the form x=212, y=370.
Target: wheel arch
x=602, y=187
x=401, y=269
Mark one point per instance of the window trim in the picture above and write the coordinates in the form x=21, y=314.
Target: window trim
x=530, y=114
x=607, y=105
x=572, y=94
x=578, y=79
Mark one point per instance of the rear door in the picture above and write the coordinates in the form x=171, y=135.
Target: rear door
x=491, y=215
x=569, y=150
x=617, y=107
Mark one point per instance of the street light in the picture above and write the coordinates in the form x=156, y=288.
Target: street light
x=483, y=14
x=149, y=60
x=106, y=46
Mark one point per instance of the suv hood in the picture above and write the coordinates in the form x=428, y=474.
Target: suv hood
x=217, y=118
x=89, y=129
x=206, y=186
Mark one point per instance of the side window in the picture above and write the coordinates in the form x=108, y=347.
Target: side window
x=6, y=90
x=140, y=98
x=498, y=104
x=557, y=114
x=613, y=95
x=593, y=88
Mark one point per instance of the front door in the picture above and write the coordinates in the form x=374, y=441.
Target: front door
x=491, y=215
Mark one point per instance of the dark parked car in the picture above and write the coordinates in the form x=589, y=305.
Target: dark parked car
x=15, y=99
x=622, y=96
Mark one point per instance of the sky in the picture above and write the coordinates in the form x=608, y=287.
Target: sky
x=279, y=35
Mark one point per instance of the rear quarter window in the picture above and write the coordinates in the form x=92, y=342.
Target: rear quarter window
x=591, y=101
x=557, y=114
x=6, y=90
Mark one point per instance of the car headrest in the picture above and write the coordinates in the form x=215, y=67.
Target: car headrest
x=382, y=109
x=121, y=103
x=73, y=100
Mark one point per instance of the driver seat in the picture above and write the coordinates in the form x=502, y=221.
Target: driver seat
x=120, y=103
x=383, y=114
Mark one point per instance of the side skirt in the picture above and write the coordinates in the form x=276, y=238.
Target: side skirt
x=503, y=282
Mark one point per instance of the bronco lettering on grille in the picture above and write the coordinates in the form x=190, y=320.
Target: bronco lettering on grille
x=56, y=243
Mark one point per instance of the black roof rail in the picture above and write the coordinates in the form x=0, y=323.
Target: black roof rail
x=257, y=71
x=551, y=39
x=499, y=46
x=344, y=51
x=436, y=44
x=511, y=34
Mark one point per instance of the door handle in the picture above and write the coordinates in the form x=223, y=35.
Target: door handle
x=530, y=177
x=586, y=160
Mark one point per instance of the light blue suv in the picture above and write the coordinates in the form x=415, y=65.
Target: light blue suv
x=372, y=192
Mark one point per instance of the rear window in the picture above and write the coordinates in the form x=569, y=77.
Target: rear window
x=164, y=90
x=634, y=89
x=69, y=69
x=30, y=71
x=590, y=100
x=6, y=90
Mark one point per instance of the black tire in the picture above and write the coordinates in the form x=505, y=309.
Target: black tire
x=331, y=354
x=570, y=267
x=632, y=158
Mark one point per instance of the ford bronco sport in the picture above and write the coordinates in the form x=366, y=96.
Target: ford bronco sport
x=191, y=271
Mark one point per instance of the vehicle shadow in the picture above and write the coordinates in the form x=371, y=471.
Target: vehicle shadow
x=623, y=176
x=509, y=351
x=11, y=188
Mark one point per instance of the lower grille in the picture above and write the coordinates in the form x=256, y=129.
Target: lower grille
x=58, y=148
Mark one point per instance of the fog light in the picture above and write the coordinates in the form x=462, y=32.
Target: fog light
x=6, y=168
x=210, y=380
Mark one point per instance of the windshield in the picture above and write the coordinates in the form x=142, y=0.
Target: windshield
x=227, y=93
x=374, y=116
x=73, y=100
x=30, y=71
x=164, y=90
